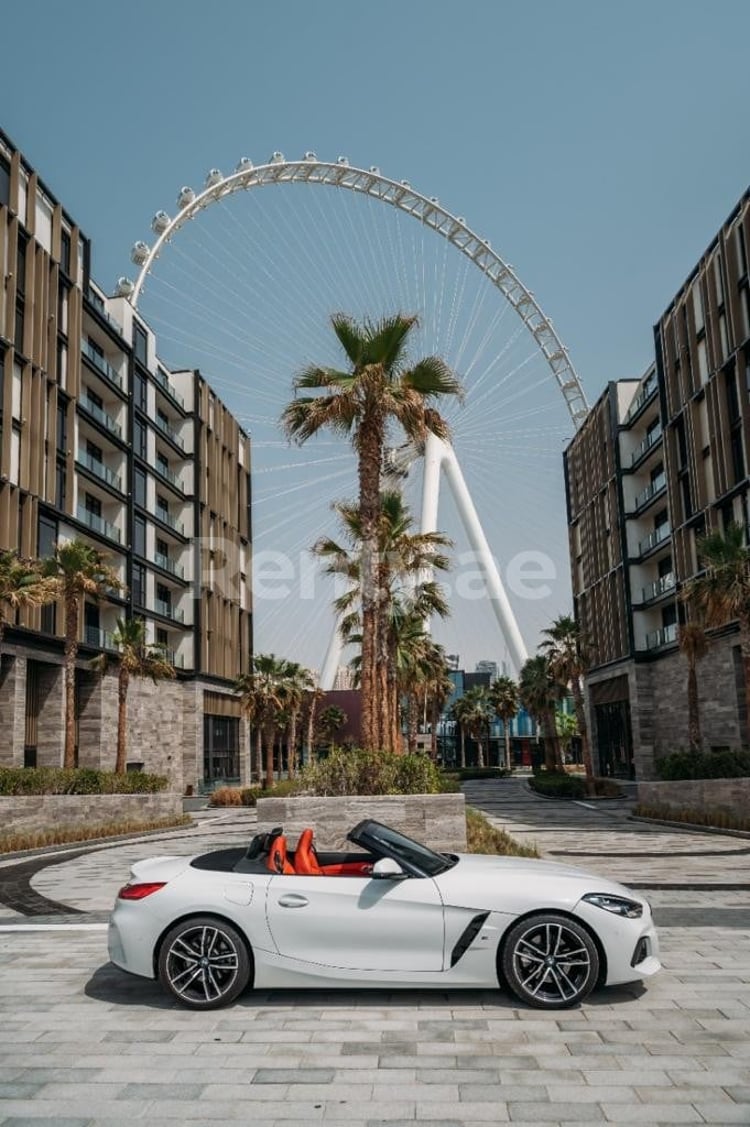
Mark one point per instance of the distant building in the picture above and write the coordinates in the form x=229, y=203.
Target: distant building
x=490, y=667
x=344, y=678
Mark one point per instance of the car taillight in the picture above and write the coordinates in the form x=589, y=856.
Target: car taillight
x=139, y=891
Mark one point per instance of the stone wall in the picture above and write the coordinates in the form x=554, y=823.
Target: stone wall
x=729, y=796
x=12, y=710
x=28, y=813
x=437, y=820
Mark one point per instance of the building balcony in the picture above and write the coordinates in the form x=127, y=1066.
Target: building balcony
x=170, y=432
x=169, y=565
x=650, y=491
x=100, y=307
x=643, y=448
x=166, y=387
x=98, y=524
x=101, y=364
x=100, y=639
x=658, y=588
x=663, y=532
x=647, y=391
x=100, y=415
x=174, y=658
x=168, y=475
x=168, y=611
x=104, y=473
x=666, y=636
x=170, y=521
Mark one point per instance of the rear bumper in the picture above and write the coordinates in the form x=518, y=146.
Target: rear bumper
x=130, y=941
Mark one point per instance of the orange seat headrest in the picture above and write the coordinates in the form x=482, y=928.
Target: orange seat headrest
x=305, y=861
x=278, y=862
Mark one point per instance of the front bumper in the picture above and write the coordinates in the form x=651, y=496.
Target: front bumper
x=631, y=947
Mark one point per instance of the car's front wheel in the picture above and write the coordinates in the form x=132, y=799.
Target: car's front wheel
x=204, y=963
x=550, y=961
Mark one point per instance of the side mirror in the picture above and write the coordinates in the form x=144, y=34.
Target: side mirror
x=387, y=869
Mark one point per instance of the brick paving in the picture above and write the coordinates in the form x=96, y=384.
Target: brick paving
x=82, y=1045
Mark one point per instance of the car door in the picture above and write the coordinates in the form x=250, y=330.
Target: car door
x=357, y=923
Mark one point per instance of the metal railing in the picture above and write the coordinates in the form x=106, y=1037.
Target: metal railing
x=645, y=393
x=169, y=475
x=651, y=490
x=102, y=639
x=168, y=611
x=99, y=524
x=99, y=468
x=647, y=443
x=100, y=415
x=166, y=386
x=100, y=363
x=168, y=565
x=654, y=538
x=170, y=432
x=663, y=637
x=659, y=587
x=176, y=659
x=167, y=518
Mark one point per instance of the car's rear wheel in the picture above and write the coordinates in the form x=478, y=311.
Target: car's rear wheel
x=550, y=961
x=204, y=963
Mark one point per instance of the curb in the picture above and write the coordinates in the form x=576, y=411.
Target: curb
x=584, y=798
x=693, y=826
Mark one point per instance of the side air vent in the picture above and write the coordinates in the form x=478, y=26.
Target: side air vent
x=467, y=937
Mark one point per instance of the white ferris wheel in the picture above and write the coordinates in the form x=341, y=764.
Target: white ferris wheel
x=246, y=293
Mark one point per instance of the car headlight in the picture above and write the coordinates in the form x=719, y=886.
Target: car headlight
x=619, y=905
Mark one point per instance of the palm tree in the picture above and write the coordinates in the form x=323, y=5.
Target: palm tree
x=331, y=720
x=694, y=645
x=296, y=683
x=503, y=696
x=440, y=689
x=379, y=388
x=262, y=700
x=473, y=713
x=403, y=556
x=722, y=594
x=567, y=649
x=78, y=570
x=136, y=658
x=21, y=585
x=539, y=691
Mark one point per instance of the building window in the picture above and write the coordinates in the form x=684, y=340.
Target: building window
x=163, y=594
x=65, y=252
x=741, y=249
x=94, y=452
x=21, y=268
x=138, y=592
x=738, y=454
x=62, y=428
x=139, y=487
x=139, y=438
x=687, y=504
x=702, y=361
x=46, y=537
x=139, y=536
x=221, y=748
x=4, y=183
x=93, y=505
x=140, y=343
x=19, y=327
x=93, y=398
x=140, y=391
x=60, y=486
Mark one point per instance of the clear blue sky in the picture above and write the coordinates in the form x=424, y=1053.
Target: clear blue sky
x=598, y=145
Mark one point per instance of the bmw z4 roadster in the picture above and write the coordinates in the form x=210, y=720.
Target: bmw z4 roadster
x=392, y=914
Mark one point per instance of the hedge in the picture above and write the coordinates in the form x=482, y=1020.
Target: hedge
x=76, y=780
x=725, y=764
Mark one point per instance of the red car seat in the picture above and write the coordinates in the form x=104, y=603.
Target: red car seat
x=278, y=862
x=305, y=861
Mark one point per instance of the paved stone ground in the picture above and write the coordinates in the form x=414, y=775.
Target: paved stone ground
x=82, y=1045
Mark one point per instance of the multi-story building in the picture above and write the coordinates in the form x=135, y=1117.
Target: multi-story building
x=659, y=462
x=101, y=442
x=488, y=666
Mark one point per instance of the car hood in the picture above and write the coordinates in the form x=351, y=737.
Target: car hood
x=517, y=884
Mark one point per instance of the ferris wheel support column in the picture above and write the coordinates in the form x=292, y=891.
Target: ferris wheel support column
x=332, y=660
x=475, y=533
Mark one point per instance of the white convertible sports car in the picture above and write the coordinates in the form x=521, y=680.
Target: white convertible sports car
x=393, y=914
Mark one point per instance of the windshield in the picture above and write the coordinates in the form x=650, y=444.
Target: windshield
x=401, y=848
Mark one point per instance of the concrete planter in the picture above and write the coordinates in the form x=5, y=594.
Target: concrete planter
x=728, y=796
x=29, y=813
x=437, y=820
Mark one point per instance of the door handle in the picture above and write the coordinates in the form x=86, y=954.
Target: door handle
x=293, y=900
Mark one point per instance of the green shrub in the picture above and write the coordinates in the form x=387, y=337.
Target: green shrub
x=715, y=819
x=557, y=784
x=483, y=837
x=724, y=764
x=355, y=771
x=76, y=780
x=226, y=796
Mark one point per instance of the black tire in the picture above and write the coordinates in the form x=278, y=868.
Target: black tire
x=550, y=961
x=204, y=963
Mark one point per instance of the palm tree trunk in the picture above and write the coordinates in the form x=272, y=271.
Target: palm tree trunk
x=370, y=450
x=292, y=749
x=258, y=753
x=506, y=733
x=694, y=717
x=580, y=712
x=434, y=721
x=311, y=711
x=412, y=721
x=548, y=727
x=269, y=731
x=122, y=720
x=480, y=750
x=745, y=651
x=71, y=653
x=463, y=747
